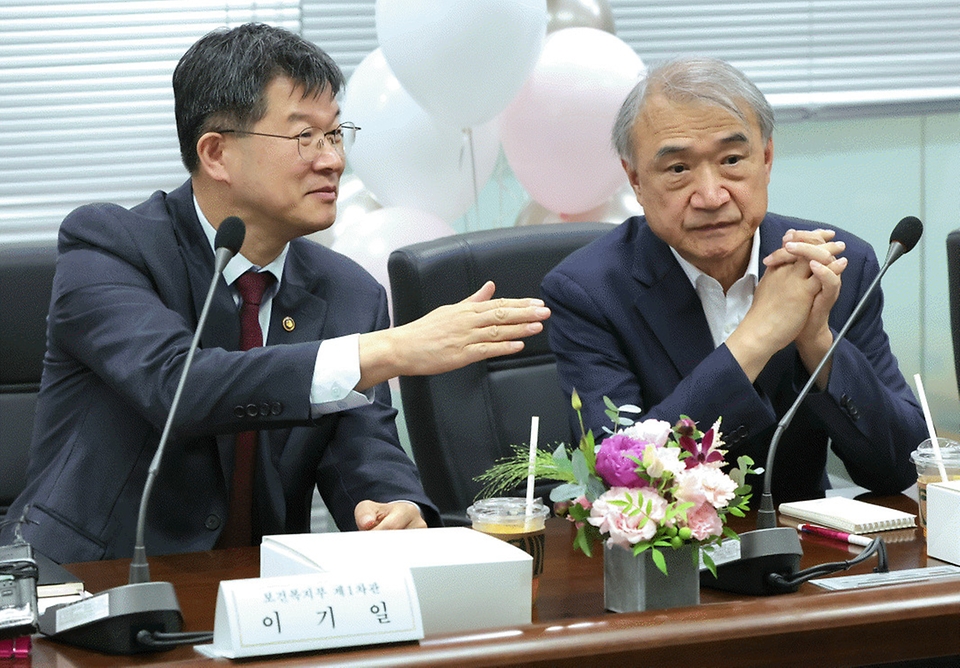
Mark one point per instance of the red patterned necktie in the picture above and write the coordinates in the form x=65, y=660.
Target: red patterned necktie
x=238, y=530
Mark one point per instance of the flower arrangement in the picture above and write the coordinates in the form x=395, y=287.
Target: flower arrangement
x=647, y=486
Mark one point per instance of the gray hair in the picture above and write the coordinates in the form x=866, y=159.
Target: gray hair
x=692, y=80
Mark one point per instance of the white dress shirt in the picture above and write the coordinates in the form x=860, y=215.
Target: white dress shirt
x=724, y=312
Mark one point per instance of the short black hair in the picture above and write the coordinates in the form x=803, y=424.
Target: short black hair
x=221, y=79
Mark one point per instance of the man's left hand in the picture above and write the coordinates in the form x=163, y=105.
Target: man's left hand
x=818, y=249
x=371, y=516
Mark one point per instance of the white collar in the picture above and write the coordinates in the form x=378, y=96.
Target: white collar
x=239, y=265
x=753, y=266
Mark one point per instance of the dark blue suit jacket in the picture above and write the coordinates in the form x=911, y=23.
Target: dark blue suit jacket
x=127, y=295
x=628, y=324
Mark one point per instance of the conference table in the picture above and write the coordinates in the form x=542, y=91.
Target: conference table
x=811, y=627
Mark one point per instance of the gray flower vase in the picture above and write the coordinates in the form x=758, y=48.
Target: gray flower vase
x=634, y=583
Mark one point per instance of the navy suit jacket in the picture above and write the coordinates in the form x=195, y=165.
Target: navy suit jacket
x=128, y=291
x=628, y=324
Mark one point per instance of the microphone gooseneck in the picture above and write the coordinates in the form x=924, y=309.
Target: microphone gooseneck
x=227, y=243
x=902, y=240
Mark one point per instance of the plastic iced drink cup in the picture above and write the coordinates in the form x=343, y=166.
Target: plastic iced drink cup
x=509, y=519
x=928, y=469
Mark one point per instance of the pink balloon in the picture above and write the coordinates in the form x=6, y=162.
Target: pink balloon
x=370, y=239
x=556, y=131
x=617, y=209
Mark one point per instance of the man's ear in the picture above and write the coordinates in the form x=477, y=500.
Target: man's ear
x=634, y=179
x=212, y=154
x=768, y=158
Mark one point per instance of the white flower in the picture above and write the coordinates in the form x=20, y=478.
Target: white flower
x=657, y=460
x=705, y=484
x=650, y=431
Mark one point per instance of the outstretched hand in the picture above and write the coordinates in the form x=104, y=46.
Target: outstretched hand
x=450, y=337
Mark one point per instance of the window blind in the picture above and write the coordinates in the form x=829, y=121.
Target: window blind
x=86, y=109
x=823, y=58
x=346, y=29
x=86, y=105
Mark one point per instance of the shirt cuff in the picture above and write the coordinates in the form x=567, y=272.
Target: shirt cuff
x=335, y=374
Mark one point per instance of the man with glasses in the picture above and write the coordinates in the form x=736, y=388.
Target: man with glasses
x=287, y=395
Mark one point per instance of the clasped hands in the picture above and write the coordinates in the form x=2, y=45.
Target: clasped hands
x=792, y=302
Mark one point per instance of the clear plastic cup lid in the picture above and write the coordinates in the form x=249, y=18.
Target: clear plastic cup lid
x=949, y=452
x=506, y=508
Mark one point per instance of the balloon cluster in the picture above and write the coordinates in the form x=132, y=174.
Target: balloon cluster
x=451, y=82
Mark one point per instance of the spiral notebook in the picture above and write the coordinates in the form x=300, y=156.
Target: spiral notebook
x=849, y=515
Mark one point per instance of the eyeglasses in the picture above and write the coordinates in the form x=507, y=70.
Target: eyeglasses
x=311, y=141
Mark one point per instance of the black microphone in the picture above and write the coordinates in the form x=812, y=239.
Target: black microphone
x=141, y=606
x=772, y=549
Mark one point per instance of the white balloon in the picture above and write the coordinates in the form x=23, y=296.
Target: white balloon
x=462, y=60
x=406, y=157
x=556, y=132
x=353, y=202
x=369, y=240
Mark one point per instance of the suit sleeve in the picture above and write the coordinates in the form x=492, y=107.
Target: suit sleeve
x=112, y=316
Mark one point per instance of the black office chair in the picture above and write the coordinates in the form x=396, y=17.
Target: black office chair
x=462, y=421
x=26, y=279
x=953, y=283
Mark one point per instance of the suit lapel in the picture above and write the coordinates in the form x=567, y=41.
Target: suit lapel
x=668, y=303
x=223, y=323
x=298, y=314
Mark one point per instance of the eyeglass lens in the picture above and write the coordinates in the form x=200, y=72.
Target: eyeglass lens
x=312, y=141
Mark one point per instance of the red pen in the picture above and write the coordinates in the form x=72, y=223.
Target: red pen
x=851, y=538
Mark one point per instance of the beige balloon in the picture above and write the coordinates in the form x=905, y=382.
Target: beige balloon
x=580, y=14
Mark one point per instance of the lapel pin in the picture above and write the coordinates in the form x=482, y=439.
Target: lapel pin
x=288, y=324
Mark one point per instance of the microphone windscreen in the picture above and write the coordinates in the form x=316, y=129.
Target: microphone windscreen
x=907, y=233
x=230, y=234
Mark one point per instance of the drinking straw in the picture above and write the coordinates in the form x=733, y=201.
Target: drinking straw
x=933, y=433
x=534, y=432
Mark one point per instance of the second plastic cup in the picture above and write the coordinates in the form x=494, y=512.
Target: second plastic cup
x=928, y=470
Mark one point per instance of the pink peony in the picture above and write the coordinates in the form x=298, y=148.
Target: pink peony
x=614, y=465
x=625, y=527
x=704, y=522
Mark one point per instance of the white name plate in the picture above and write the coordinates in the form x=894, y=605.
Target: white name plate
x=300, y=613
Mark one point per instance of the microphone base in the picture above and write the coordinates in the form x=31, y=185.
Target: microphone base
x=762, y=552
x=108, y=622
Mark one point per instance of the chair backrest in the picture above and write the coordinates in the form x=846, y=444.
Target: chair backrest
x=953, y=283
x=462, y=421
x=26, y=279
